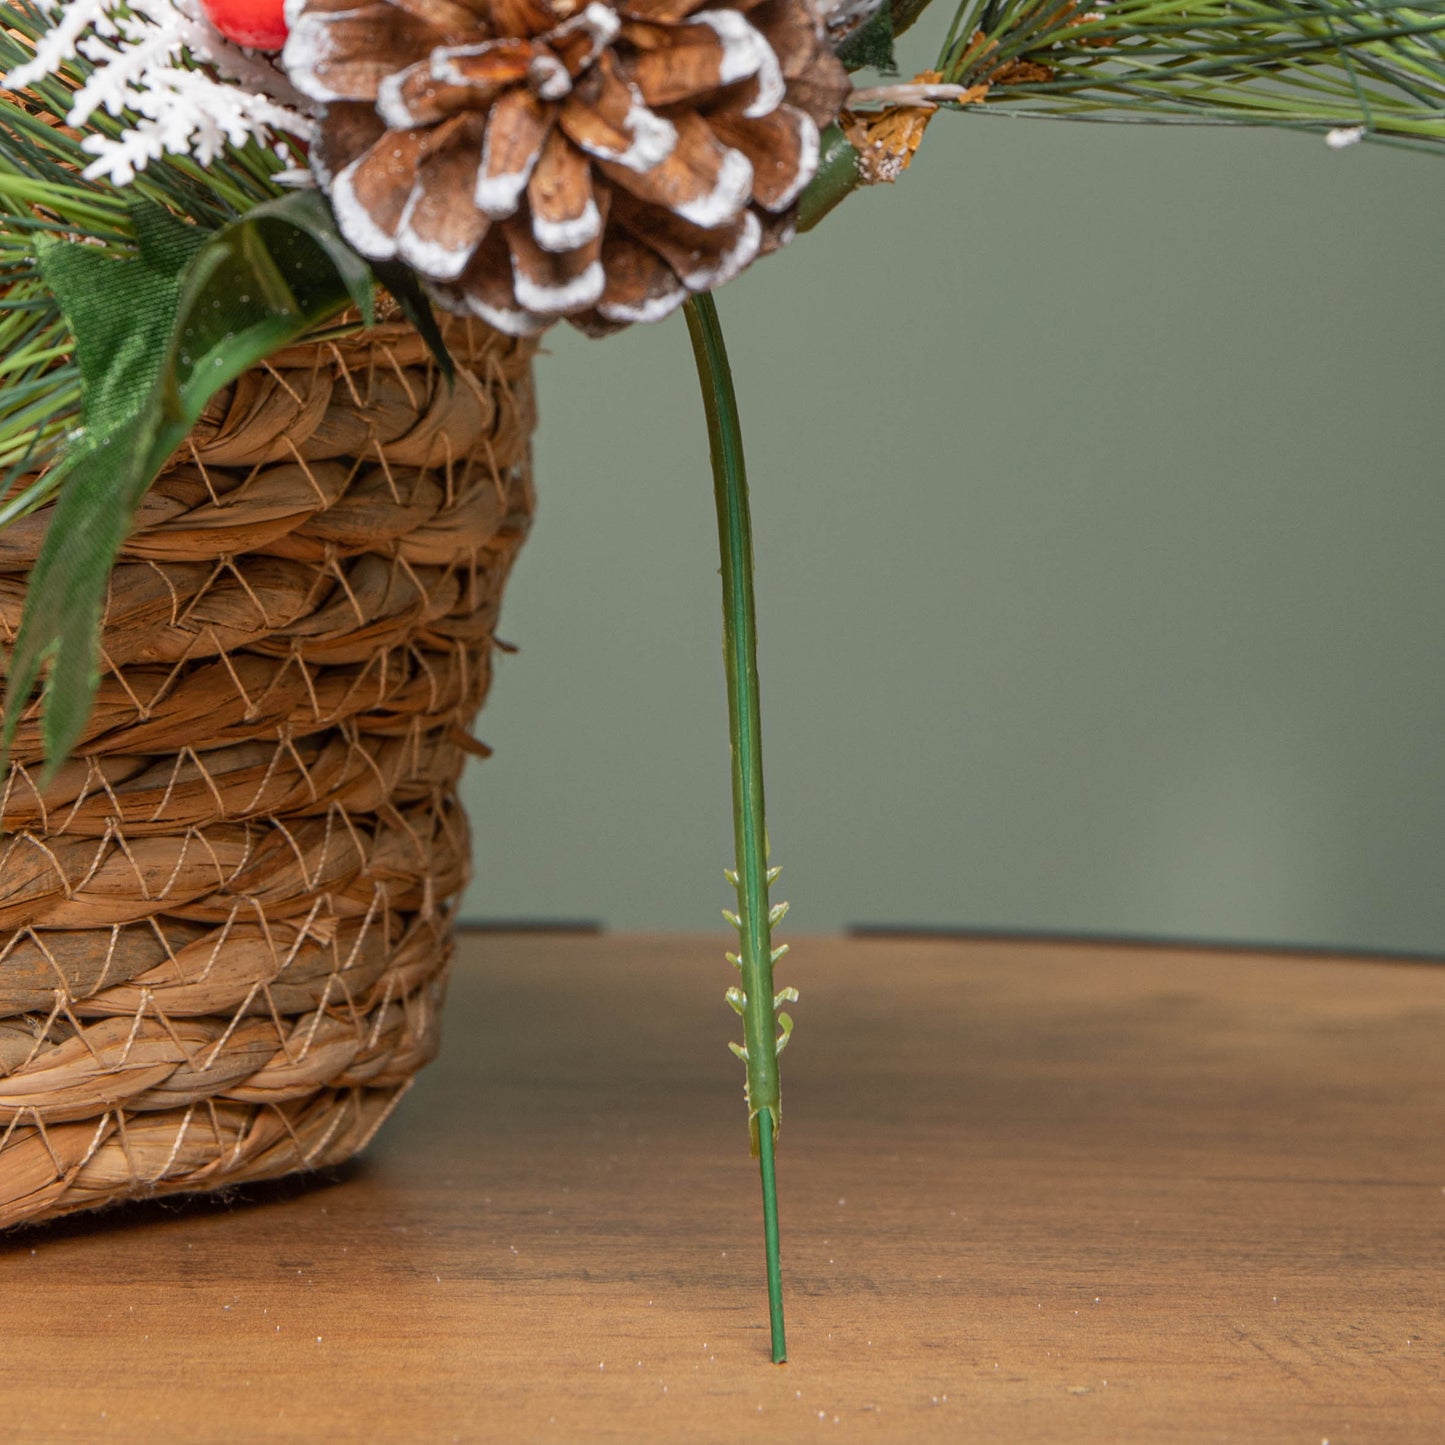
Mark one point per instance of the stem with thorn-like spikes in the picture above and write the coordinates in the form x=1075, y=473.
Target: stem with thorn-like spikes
x=755, y=917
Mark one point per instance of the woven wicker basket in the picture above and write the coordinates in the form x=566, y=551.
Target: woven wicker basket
x=226, y=923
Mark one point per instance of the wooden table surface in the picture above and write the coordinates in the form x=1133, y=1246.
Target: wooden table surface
x=1030, y=1192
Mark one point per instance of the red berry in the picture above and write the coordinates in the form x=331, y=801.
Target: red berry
x=260, y=24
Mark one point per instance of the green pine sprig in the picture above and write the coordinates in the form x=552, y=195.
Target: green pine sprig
x=1371, y=70
x=1371, y=67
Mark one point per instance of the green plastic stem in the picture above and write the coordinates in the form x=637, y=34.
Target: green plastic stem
x=740, y=659
x=770, y=1241
x=836, y=179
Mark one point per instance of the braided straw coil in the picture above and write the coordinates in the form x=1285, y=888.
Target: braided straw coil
x=225, y=924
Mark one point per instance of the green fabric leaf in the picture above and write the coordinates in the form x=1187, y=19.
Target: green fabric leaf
x=158, y=333
x=117, y=305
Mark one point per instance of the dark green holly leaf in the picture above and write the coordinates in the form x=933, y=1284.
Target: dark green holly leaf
x=870, y=47
x=401, y=282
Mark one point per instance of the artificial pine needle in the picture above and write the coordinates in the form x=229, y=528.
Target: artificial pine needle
x=755, y=916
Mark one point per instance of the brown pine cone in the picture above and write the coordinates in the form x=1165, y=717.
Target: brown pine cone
x=538, y=159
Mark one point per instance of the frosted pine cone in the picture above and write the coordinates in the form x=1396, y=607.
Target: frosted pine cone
x=537, y=159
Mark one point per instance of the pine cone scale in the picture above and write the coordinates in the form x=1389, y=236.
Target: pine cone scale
x=783, y=150
x=702, y=259
x=414, y=97
x=348, y=54
x=609, y=121
x=560, y=198
x=693, y=59
x=528, y=18
x=486, y=69
x=641, y=286
x=516, y=129
x=551, y=283
x=436, y=236
x=347, y=130
x=701, y=180
x=370, y=194
x=446, y=17
x=580, y=41
x=666, y=9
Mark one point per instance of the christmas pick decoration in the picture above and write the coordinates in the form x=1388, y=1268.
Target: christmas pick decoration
x=597, y=161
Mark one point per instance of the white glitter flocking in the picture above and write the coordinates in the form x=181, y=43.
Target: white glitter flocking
x=183, y=88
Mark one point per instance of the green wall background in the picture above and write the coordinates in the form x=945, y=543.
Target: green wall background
x=1096, y=475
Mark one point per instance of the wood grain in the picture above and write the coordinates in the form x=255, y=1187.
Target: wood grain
x=1030, y=1193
